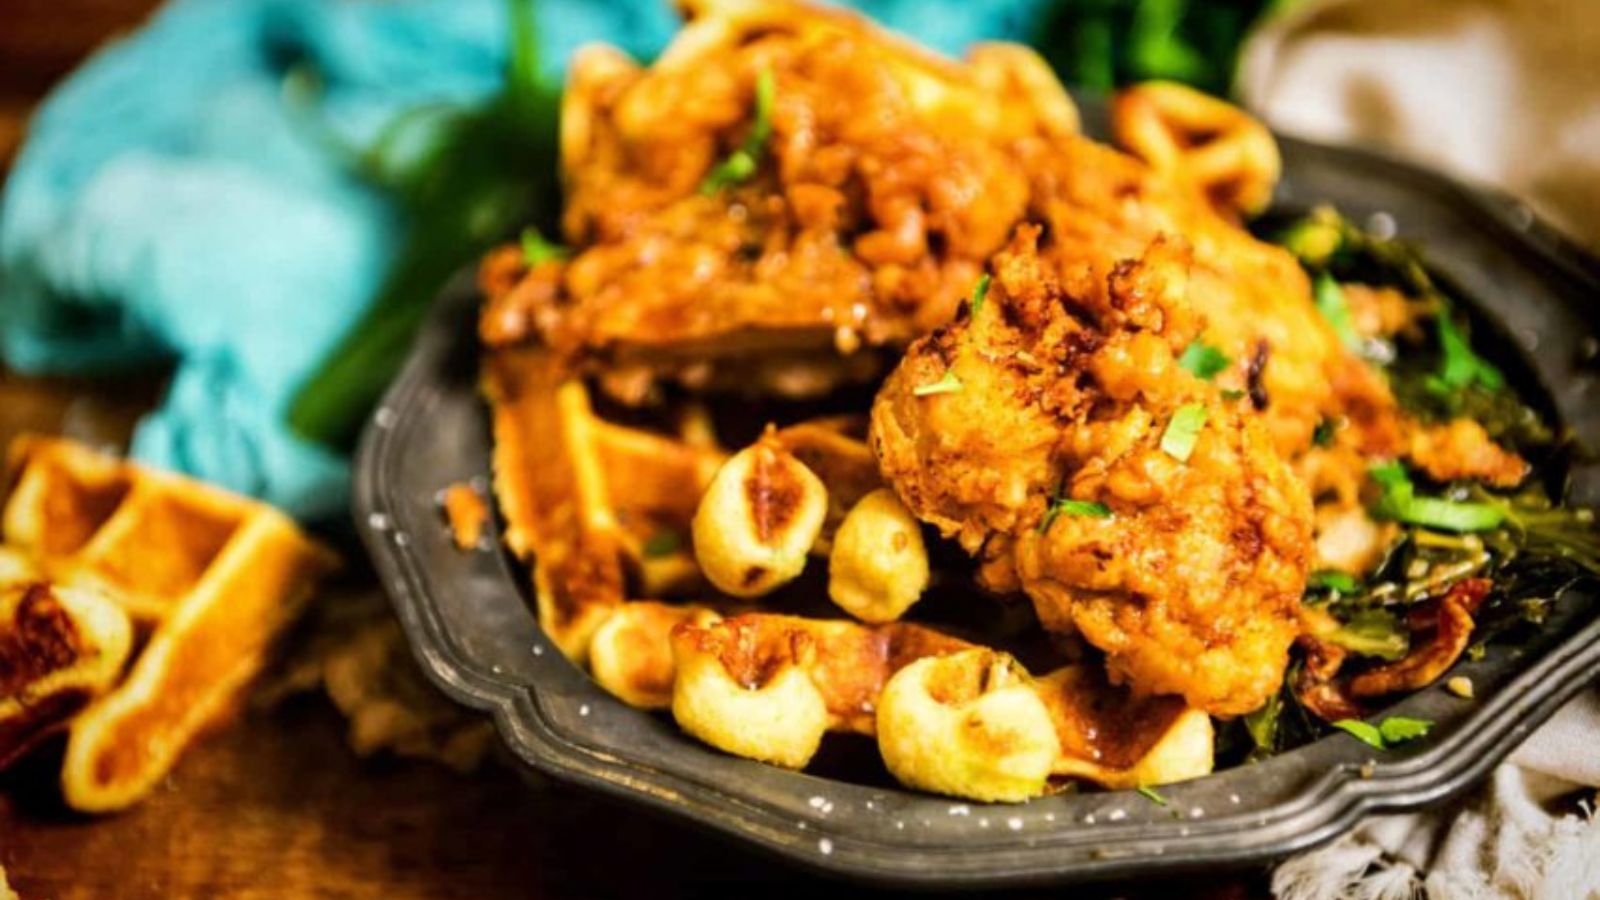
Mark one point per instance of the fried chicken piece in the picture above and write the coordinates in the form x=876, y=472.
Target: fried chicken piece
x=1462, y=449
x=883, y=185
x=1067, y=385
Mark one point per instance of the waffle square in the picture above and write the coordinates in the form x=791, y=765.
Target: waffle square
x=213, y=578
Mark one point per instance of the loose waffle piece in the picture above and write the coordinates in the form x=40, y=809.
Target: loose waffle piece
x=60, y=648
x=197, y=662
x=466, y=513
x=216, y=576
x=145, y=538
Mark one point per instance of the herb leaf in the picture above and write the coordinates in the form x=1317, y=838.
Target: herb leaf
x=1361, y=731
x=1386, y=734
x=979, y=293
x=949, y=384
x=1152, y=795
x=741, y=164
x=1183, y=430
x=537, y=250
x=1203, y=360
x=1088, y=509
x=1329, y=298
x=1400, y=729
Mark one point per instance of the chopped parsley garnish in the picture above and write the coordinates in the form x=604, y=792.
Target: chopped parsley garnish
x=1399, y=729
x=979, y=293
x=741, y=164
x=1232, y=395
x=1388, y=733
x=1183, y=430
x=1150, y=793
x=1329, y=298
x=949, y=384
x=1401, y=503
x=1088, y=509
x=537, y=250
x=1203, y=360
x=662, y=543
x=1334, y=580
x=1361, y=731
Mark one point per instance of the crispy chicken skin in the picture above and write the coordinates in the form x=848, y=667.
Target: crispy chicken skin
x=1068, y=381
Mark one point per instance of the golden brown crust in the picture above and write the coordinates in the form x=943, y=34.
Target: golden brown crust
x=885, y=182
x=1191, y=585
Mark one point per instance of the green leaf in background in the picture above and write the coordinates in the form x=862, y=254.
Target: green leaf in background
x=1102, y=44
x=483, y=173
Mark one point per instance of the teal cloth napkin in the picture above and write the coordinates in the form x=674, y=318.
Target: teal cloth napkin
x=173, y=203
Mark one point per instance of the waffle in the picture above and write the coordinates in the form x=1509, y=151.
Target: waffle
x=768, y=687
x=587, y=501
x=212, y=577
x=60, y=648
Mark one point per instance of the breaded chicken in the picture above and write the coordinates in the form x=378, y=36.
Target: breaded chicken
x=1185, y=564
x=880, y=185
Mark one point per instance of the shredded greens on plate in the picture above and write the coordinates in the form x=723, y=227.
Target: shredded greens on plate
x=1525, y=541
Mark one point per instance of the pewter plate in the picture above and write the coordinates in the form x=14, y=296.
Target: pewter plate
x=468, y=616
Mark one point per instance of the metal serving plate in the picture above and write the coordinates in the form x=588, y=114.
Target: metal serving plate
x=468, y=617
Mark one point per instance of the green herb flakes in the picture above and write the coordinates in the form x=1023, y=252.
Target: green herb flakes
x=979, y=293
x=1085, y=508
x=1151, y=794
x=1203, y=360
x=1400, y=729
x=1389, y=733
x=949, y=384
x=537, y=250
x=1334, y=580
x=1361, y=731
x=1183, y=430
x=742, y=163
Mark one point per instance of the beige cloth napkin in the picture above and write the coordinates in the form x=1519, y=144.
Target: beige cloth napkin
x=1505, y=93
